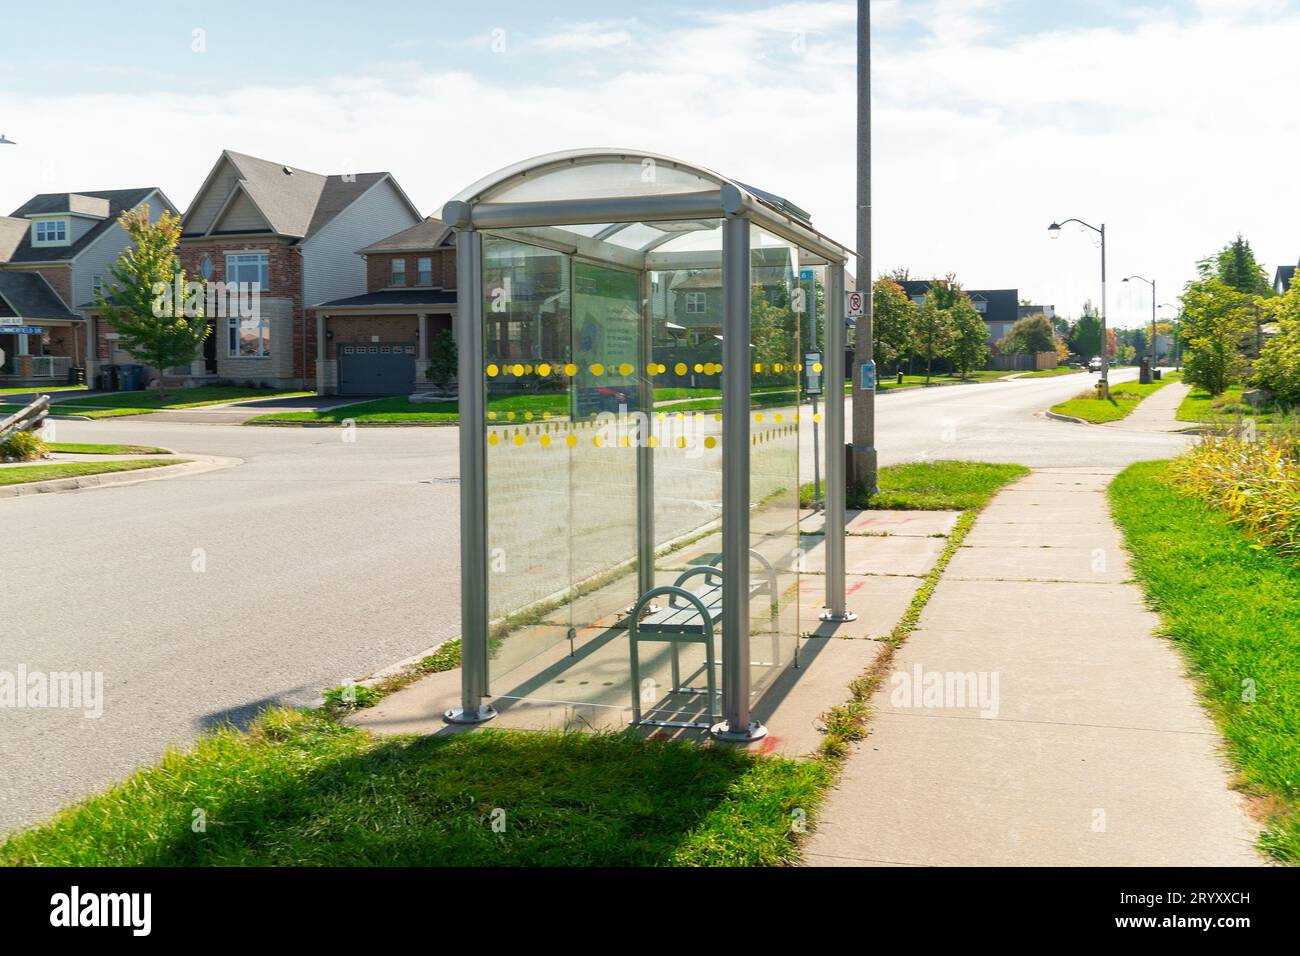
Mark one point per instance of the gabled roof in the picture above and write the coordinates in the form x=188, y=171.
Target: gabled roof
x=294, y=202
x=31, y=297
x=1282, y=280
x=422, y=237
x=119, y=200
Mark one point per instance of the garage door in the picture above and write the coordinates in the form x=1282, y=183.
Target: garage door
x=376, y=369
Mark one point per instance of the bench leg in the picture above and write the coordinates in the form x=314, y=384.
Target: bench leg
x=715, y=710
x=636, y=674
x=677, y=669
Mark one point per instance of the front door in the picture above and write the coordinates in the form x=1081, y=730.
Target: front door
x=210, y=350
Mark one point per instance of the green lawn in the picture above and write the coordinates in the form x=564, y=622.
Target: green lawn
x=71, y=448
x=1048, y=372
x=57, y=409
x=886, y=383
x=23, y=474
x=300, y=789
x=1123, y=399
x=931, y=485
x=1234, y=610
x=1200, y=406
x=44, y=389
x=181, y=397
x=382, y=410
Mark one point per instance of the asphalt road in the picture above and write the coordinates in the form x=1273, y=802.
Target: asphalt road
x=201, y=599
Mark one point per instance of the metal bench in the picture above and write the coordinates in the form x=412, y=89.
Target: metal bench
x=690, y=617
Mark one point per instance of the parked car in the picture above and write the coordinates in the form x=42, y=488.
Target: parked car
x=1094, y=364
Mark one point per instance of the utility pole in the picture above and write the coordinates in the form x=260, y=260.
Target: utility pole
x=864, y=400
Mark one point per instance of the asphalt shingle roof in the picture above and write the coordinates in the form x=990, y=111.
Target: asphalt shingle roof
x=31, y=297
x=118, y=201
x=394, y=298
x=423, y=236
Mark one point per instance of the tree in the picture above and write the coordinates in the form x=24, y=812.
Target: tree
x=1034, y=333
x=158, y=316
x=1218, y=323
x=970, y=337
x=1085, y=337
x=1236, y=267
x=1278, y=368
x=893, y=314
x=932, y=332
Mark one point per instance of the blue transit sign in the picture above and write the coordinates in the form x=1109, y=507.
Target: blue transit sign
x=868, y=376
x=20, y=330
x=805, y=275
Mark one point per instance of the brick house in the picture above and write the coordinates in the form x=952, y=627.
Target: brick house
x=56, y=251
x=295, y=234
x=378, y=342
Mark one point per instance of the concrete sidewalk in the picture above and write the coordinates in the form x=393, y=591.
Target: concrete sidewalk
x=1156, y=412
x=1087, y=747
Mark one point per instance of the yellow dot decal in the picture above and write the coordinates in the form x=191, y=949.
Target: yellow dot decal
x=597, y=370
x=680, y=368
x=528, y=370
x=681, y=442
x=545, y=441
x=758, y=366
x=777, y=367
x=571, y=440
x=710, y=442
x=543, y=369
x=528, y=416
x=717, y=417
x=493, y=438
x=570, y=370
x=698, y=368
x=595, y=440
x=519, y=439
x=652, y=369
x=492, y=371
x=492, y=416
x=510, y=416
x=517, y=371
x=817, y=367
x=777, y=417
x=625, y=442
x=652, y=442
x=758, y=417
x=817, y=417
x=625, y=369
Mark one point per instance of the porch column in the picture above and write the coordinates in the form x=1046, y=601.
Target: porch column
x=737, y=374
x=423, y=350
x=833, y=369
x=473, y=479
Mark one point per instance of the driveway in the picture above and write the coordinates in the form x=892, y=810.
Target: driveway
x=202, y=599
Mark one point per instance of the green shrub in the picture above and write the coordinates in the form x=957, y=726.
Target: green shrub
x=22, y=446
x=442, y=359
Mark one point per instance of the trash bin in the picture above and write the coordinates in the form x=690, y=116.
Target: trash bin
x=129, y=377
x=107, y=378
x=76, y=375
x=1155, y=374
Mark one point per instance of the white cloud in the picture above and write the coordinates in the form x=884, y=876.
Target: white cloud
x=1177, y=134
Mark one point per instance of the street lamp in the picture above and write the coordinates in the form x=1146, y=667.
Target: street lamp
x=6, y=142
x=1054, y=231
x=1152, y=366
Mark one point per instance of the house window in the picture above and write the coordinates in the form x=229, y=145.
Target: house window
x=919, y=299
x=97, y=286
x=249, y=267
x=425, y=271
x=398, y=274
x=206, y=268
x=981, y=306
x=249, y=337
x=51, y=232
x=696, y=303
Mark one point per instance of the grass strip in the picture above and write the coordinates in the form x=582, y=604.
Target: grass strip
x=1233, y=609
x=24, y=474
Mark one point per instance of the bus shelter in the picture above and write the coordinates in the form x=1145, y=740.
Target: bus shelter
x=633, y=337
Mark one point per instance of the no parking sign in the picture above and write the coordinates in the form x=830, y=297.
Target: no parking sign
x=855, y=305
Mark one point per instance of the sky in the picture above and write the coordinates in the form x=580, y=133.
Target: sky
x=1170, y=122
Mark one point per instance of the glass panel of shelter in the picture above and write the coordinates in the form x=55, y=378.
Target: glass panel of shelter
x=574, y=387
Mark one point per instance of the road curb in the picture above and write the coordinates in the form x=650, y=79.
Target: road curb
x=1056, y=416
x=193, y=465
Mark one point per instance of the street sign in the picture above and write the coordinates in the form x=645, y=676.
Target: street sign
x=855, y=305
x=868, y=381
x=812, y=373
x=20, y=330
x=805, y=275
